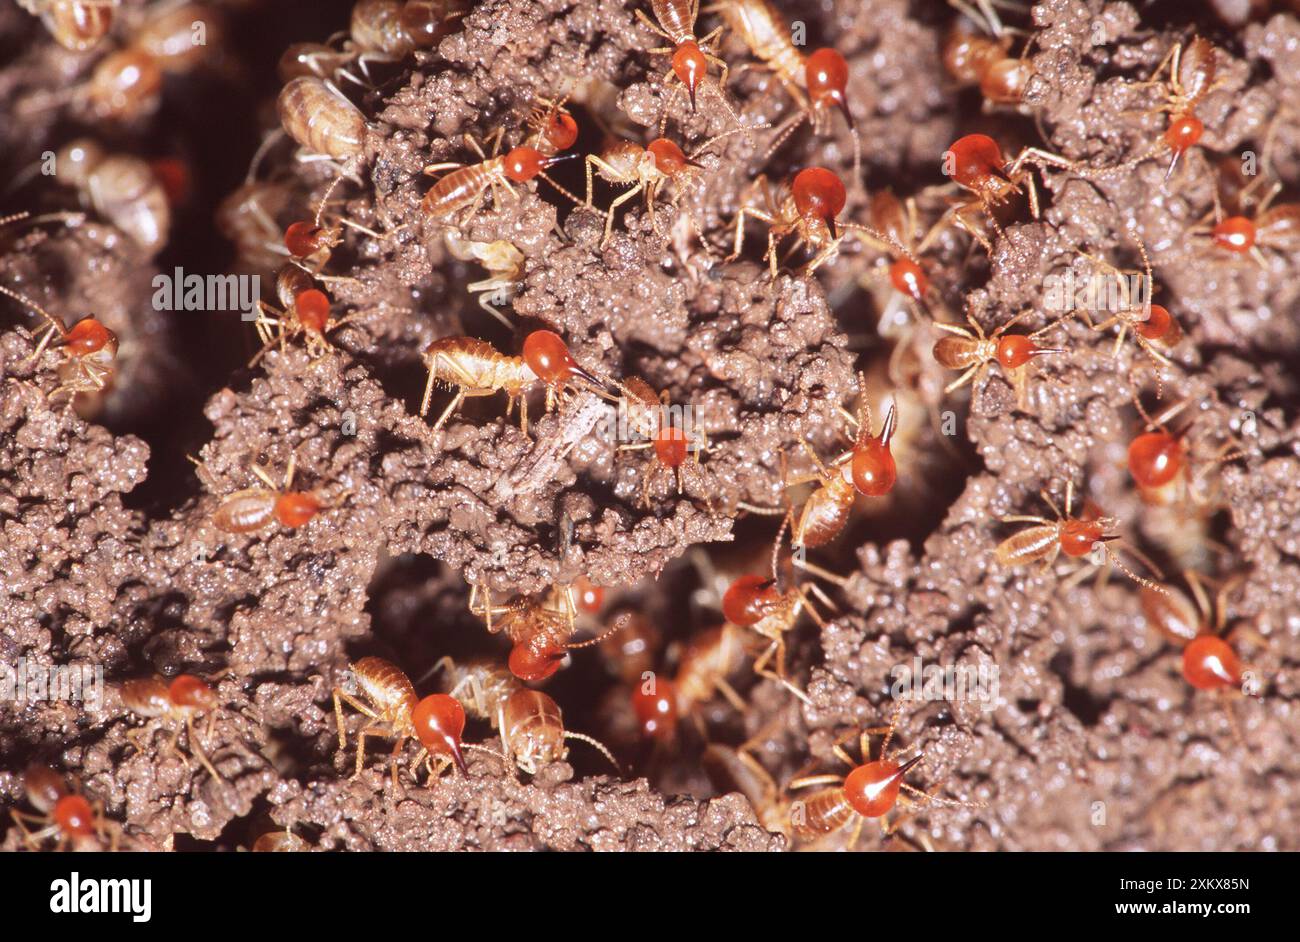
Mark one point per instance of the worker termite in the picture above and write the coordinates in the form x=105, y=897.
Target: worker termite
x=634, y=650
x=176, y=703
x=691, y=57
x=476, y=368
x=871, y=790
x=390, y=30
x=504, y=263
x=529, y=722
x=73, y=820
x=305, y=311
x=817, y=82
x=897, y=222
x=77, y=25
x=250, y=510
x=1163, y=466
x=1191, y=77
x=1076, y=537
x=121, y=188
x=462, y=190
x=983, y=59
x=247, y=217
x=1209, y=660
x=88, y=347
x=625, y=163
x=1275, y=227
x=539, y=628
x=676, y=448
x=279, y=842
x=388, y=699
x=806, y=209
x=1149, y=323
x=322, y=120
x=970, y=350
x=975, y=163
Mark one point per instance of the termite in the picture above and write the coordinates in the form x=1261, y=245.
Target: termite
x=1275, y=227
x=504, y=263
x=675, y=448
x=322, y=120
x=982, y=59
x=1076, y=537
x=975, y=163
x=1191, y=77
x=462, y=190
x=970, y=350
x=279, y=842
x=390, y=30
x=88, y=348
x=1209, y=661
x=625, y=163
x=69, y=817
x=807, y=209
x=691, y=57
x=476, y=368
x=121, y=188
x=817, y=82
x=634, y=650
x=76, y=25
x=554, y=129
x=530, y=723
x=1149, y=323
x=247, y=217
x=305, y=311
x=176, y=703
x=250, y=510
x=1163, y=466
x=539, y=628
x=707, y=663
x=871, y=790
x=388, y=699
x=896, y=220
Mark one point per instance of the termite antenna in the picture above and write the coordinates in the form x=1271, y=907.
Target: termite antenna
x=619, y=624
x=742, y=129
x=598, y=746
x=320, y=207
x=1119, y=564
x=22, y=299
x=262, y=148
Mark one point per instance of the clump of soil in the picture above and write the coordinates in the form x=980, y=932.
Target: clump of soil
x=112, y=557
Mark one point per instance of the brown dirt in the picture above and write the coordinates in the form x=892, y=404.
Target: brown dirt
x=111, y=557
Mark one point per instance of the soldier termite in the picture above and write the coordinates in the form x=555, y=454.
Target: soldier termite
x=504, y=263
x=476, y=368
x=121, y=188
x=250, y=510
x=817, y=82
x=970, y=350
x=553, y=128
x=807, y=209
x=73, y=820
x=675, y=448
x=539, y=628
x=625, y=163
x=897, y=222
x=1209, y=661
x=388, y=699
x=1076, y=537
x=88, y=348
x=176, y=703
x=871, y=790
x=77, y=25
x=710, y=658
x=691, y=57
x=529, y=722
x=305, y=312
x=1274, y=227
x=1191, y=77
x=1162, y=464
x=462, y=190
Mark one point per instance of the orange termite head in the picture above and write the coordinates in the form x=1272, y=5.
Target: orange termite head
x=819, y=192
x=549, y=358
x=1184, y=131
x=1015, y=350
x=1155, y=459
x=44, y=787
x=671, y=446
x=1236, y=234
x=524, y=162
x=669, y=159
x=74, y=816
x=1078, y=537
x=439, y=721
x=560, y=130
x=534, y=664
x=873, y=468
x=909, y=278
x=690, y=65
x=872, y=788
x=656, y=710
x=826, y=75
x=1209, y=663
x=1160, y=325
x=589, y=597
x=312, y=308
x=188, y=692
x=974, y=158
x=295, y=508
x=303, y=239
x=747, y=600
x=89, y=336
